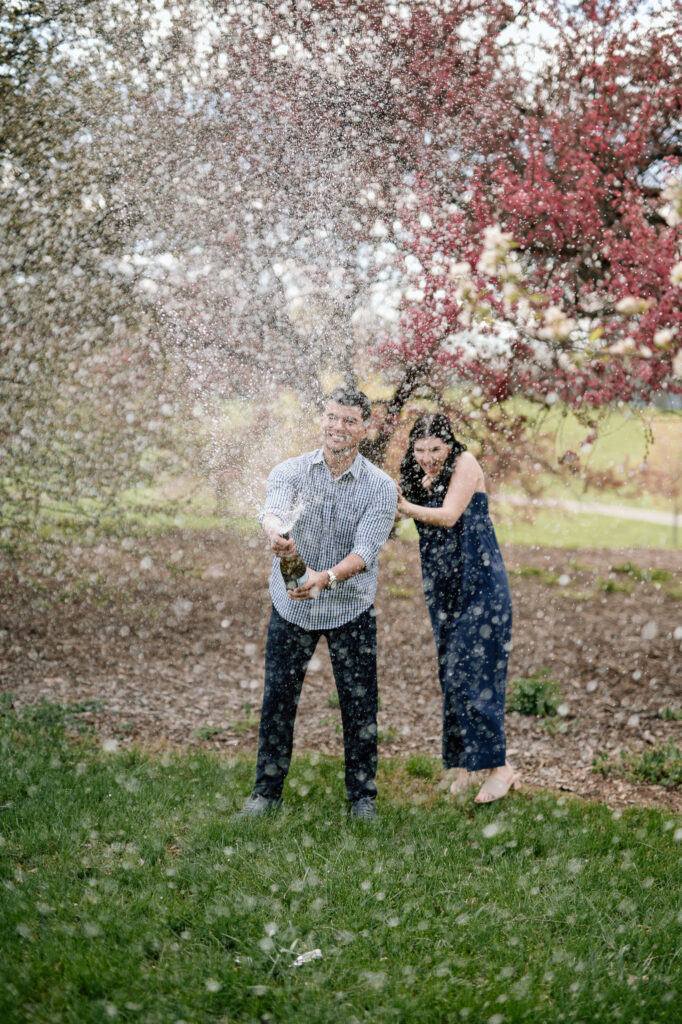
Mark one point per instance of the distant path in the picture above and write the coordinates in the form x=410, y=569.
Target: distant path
x=616, y=511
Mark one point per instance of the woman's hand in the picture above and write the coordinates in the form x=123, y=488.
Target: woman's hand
x=403, y=506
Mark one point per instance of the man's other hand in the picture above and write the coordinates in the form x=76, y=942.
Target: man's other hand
x=316, y=583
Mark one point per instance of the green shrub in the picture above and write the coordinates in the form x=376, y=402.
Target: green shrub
x=660, y=765
x=539, y=694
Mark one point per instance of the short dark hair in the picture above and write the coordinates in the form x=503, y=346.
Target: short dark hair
x=347, y=395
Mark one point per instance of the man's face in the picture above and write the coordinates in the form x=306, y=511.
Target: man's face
x=343, y=428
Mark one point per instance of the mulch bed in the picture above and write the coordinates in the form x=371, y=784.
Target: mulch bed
x=167, y=637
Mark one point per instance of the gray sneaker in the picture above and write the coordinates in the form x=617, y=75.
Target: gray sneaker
x=257, y=806
x=363, y=809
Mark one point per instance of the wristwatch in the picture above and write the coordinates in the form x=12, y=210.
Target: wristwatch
x=333, y=582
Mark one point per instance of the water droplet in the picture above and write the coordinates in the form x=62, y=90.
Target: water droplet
x=650, y=630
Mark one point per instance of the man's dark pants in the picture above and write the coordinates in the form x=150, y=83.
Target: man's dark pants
x=352, y=648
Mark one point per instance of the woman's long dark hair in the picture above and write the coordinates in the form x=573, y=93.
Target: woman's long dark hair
x=432, y=425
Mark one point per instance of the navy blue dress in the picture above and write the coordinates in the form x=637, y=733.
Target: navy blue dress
x=469, y=601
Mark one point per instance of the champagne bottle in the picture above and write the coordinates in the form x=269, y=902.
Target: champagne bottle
x=293, y=568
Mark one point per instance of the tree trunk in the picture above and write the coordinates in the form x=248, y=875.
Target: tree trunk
x=375, y=448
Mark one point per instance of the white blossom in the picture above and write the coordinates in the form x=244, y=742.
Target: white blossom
x=557, y=325
x=631, y=305
x=622, y=347
x=456, y=270
x=672, y=195
x=663, y=337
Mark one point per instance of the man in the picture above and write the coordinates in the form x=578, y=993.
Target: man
x=345, y=509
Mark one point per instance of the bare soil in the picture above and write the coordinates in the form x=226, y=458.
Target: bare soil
x=167, y=636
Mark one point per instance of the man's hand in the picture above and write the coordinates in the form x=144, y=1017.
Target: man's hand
x=316, y=583
x=281, y=546
x=273, y=528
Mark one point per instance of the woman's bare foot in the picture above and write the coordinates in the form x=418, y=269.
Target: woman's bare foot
x=498, y=784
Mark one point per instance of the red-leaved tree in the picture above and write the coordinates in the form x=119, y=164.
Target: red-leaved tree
x=575, y=296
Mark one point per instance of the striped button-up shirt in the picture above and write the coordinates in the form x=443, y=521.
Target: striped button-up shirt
x=330, y=518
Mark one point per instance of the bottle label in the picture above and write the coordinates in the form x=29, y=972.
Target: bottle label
x=292, y=584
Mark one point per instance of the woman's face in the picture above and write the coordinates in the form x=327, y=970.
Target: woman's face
x=431, y=453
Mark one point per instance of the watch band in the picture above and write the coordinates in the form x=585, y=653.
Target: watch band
x=333, y=582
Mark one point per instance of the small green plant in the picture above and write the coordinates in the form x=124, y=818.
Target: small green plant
x=540, y=575
x=406, y=593
x=659, y=575
x=387, y=735
x=247, y=723
x=602, y=765
x=207, y=732
x=420, y=766
x=538, y=695
x=660, y=765
x=627, y=568
x=579, y=566
x=616, y=587
x=670, y=714
x=333, y=700
x=554, y=725
x=186, y=572
x=644, y=575
x=577, y=595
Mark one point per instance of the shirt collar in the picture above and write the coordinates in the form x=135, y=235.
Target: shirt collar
x=354, y=469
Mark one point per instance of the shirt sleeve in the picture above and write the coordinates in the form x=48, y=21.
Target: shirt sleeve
x=281, y=492
x=376, y=524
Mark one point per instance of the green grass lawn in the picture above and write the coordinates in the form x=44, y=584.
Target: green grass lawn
x=641, y=447
x=129, y=893
x=556, y=528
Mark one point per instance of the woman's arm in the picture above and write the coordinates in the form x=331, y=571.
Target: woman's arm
x=466, y=479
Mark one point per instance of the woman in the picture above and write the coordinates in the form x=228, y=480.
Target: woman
x=467, y=592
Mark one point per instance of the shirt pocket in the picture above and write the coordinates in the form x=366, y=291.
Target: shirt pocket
x=346, y=514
